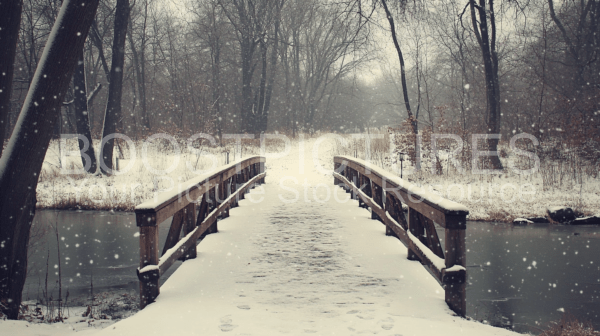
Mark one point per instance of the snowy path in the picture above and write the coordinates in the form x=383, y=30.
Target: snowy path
x=303, y=267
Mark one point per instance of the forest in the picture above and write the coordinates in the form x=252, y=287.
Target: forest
x=264, y=66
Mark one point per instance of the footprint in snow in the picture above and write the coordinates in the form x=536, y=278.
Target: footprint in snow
x=226, y=324
x=387, y=324
x=244, y=307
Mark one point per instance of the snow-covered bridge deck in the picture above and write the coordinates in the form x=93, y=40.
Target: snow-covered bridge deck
x=298, y=257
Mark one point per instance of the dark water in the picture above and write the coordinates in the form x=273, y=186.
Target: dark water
x=525, y=276
x=97, y=248
x=519, y=277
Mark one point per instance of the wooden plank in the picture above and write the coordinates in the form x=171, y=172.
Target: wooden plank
x=174, y=230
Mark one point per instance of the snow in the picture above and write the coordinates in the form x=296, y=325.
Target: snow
x=553, y=209
x=305, y=259
x=24, y=328
x=144, y=175
x=436, y=261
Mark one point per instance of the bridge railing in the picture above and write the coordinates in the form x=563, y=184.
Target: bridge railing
x=386, y=194
x=195, y=208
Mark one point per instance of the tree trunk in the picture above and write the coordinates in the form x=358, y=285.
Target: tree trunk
x=10, y=19
x=487, y=45
x=140, y=75
x=247, y=72
x=22, y=161
x=112, y=114
x=216, y=79
x=264, y=121
x=259, y=103
x=411, y=117
x=82, y=117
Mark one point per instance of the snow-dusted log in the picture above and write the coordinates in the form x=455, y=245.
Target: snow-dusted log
x=22, y=160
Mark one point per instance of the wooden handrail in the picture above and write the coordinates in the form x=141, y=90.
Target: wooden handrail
x=216, y=192
x=385, y=194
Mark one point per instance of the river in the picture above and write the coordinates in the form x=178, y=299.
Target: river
x=521, y=277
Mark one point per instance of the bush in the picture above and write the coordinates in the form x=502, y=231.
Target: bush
x=570, y=326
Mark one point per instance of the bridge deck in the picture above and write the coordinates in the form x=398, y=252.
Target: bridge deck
x=299, y=267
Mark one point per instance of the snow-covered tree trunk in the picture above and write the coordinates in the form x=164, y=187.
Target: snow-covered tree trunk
x=22, y=161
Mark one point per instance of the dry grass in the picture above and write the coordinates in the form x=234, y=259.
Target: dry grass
x=570, y=326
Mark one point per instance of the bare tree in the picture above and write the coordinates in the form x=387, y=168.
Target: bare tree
x=254, y=22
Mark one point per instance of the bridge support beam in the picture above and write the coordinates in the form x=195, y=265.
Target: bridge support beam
x=149, y=288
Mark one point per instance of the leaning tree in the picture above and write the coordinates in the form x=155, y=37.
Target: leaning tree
x=22, y=160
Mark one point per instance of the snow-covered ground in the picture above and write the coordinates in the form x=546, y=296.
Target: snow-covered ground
x=488, y=197
x=297, y=257
x=151, y=167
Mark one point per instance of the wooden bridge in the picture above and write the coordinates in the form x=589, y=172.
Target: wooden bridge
x=373, y=187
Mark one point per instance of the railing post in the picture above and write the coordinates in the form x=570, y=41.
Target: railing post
x=189, y=224
x=212, y=205
x=376, y=192
x=241, y=180
x=222, y=197
x=355, y=180
x=336, y=166
x=149, y=288
x=361, y=182
x=415, y=227
x=261, y=170
x=390, y=208
x=232, y=189
x=456, y=295
x=347, y=175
